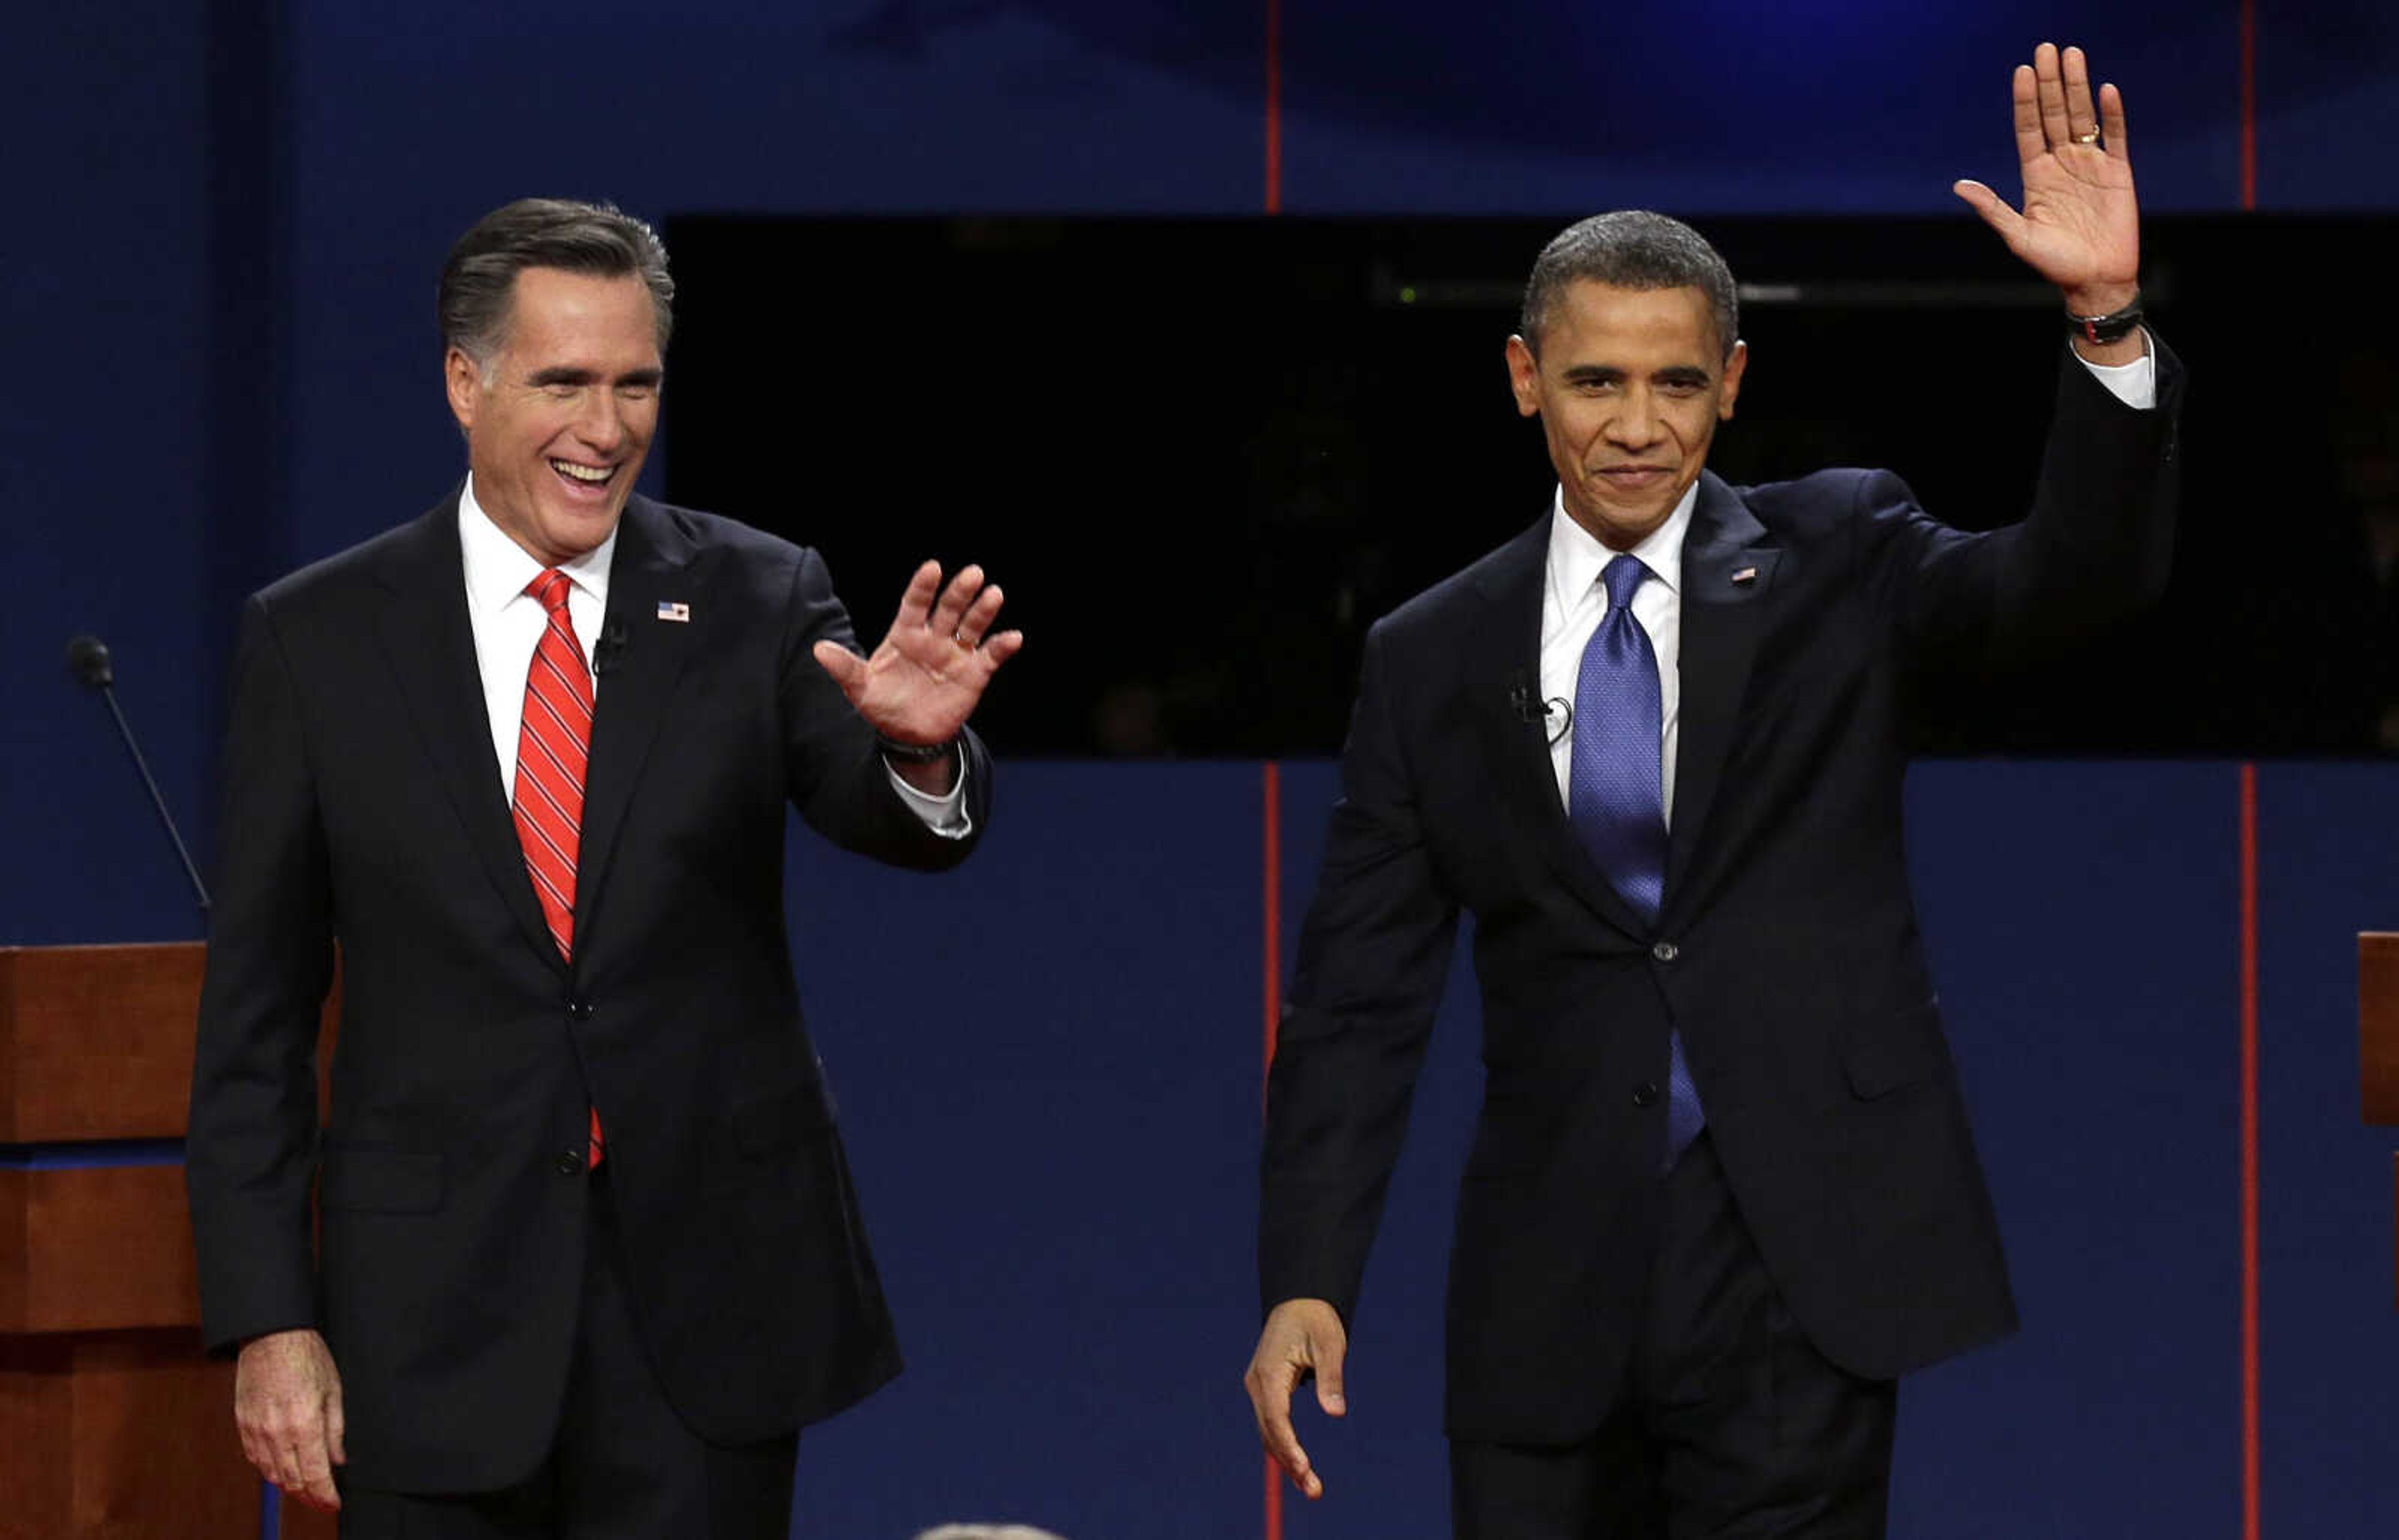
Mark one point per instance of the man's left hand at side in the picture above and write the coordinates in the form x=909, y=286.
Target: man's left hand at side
x=288, y=1407
x=927, y=676
x=1301, y=1337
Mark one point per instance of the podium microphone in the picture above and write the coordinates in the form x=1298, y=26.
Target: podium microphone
x=88, y=660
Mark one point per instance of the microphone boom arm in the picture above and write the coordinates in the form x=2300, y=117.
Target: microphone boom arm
x=87, y=657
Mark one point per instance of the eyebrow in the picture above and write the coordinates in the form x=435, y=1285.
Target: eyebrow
x=562, y=374
x=1608, y=375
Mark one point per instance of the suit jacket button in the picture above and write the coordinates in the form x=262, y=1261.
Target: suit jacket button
x=579, y=1011
x=569, y=1162
x=1644, y=1094
x=1665, y=952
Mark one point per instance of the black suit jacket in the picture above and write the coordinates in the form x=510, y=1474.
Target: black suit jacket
x=363, y=805
x=1785, y=950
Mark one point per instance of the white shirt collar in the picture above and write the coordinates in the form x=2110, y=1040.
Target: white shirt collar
x=1577, y=556
x=498, y=570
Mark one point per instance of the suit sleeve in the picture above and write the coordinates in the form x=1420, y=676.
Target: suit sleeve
x=252, y=1149
x=1374, y=954
x=836, y=773
x=2097, y=545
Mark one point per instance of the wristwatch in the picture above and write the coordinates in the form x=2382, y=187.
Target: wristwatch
x=2113, y=327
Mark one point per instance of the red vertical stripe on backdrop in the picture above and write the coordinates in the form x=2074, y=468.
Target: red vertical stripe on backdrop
x=2249, y=1461
x=2249, y=104
x=1270, y=786
x=1274, y=115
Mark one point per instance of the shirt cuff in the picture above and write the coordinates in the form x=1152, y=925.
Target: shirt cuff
x=2135, y=383
x=945, y=816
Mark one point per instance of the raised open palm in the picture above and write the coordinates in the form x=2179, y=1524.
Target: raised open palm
x=924, y=679
x=2080, y=227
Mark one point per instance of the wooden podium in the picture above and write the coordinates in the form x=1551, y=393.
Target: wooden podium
x=113, y=1426
x=2378, y=1032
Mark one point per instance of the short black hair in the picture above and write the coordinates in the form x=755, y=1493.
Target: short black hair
x=1630, y=248
x=597, y=239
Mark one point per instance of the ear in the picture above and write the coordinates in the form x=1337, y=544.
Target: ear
x=1523, y=378
x=462, y=379
x=1735, y=366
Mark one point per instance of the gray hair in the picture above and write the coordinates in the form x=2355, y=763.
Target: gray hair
x=1630, y=248
x=596, y=240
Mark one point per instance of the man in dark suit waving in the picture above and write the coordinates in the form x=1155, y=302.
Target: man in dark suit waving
x=1722, y=1192
x=589, y=1254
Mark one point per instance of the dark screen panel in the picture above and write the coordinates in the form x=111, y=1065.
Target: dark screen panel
x=1204, y=455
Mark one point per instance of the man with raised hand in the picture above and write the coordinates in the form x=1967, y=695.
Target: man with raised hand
x=1722, y=1193
x=588, y=1251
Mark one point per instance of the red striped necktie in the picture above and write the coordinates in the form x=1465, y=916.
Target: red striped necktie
x=553, y=744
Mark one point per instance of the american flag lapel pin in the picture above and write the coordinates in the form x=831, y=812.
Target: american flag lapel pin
x=669, y=610
x=1746, y=574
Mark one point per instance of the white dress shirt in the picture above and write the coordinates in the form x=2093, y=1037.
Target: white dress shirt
x=508, y=623
x=1574, y=602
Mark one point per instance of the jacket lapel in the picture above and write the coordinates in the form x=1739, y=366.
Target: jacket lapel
x=1506, y=670
x=1726, y=576
x=429, y=643
x=641, y=656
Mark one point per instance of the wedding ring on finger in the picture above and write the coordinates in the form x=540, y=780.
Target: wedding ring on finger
x=966, y=643
x=2091, y=139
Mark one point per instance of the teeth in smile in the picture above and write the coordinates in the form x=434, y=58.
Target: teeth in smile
x=582, y=473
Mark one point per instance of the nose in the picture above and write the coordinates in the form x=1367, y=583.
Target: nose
x=602, y=421
x=1636, y=423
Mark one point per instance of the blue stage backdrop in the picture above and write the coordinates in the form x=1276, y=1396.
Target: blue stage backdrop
x=219, y=290
x=1047, y=1066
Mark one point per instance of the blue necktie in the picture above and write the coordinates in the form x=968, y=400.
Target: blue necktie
x=1614, y=798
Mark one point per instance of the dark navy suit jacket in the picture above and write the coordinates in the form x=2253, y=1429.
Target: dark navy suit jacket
x=363, y=806
x=1785, y=950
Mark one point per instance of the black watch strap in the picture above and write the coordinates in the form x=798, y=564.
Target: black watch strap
x=914, y=754
x=2113, y=327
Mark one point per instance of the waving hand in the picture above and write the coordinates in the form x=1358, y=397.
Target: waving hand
x=924, y=680
x=2080, y=224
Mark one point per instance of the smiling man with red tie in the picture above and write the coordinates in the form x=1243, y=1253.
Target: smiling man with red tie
x=589, y=1255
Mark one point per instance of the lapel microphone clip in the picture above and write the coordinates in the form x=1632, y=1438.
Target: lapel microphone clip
x=1535, y=712
x=610, y=647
